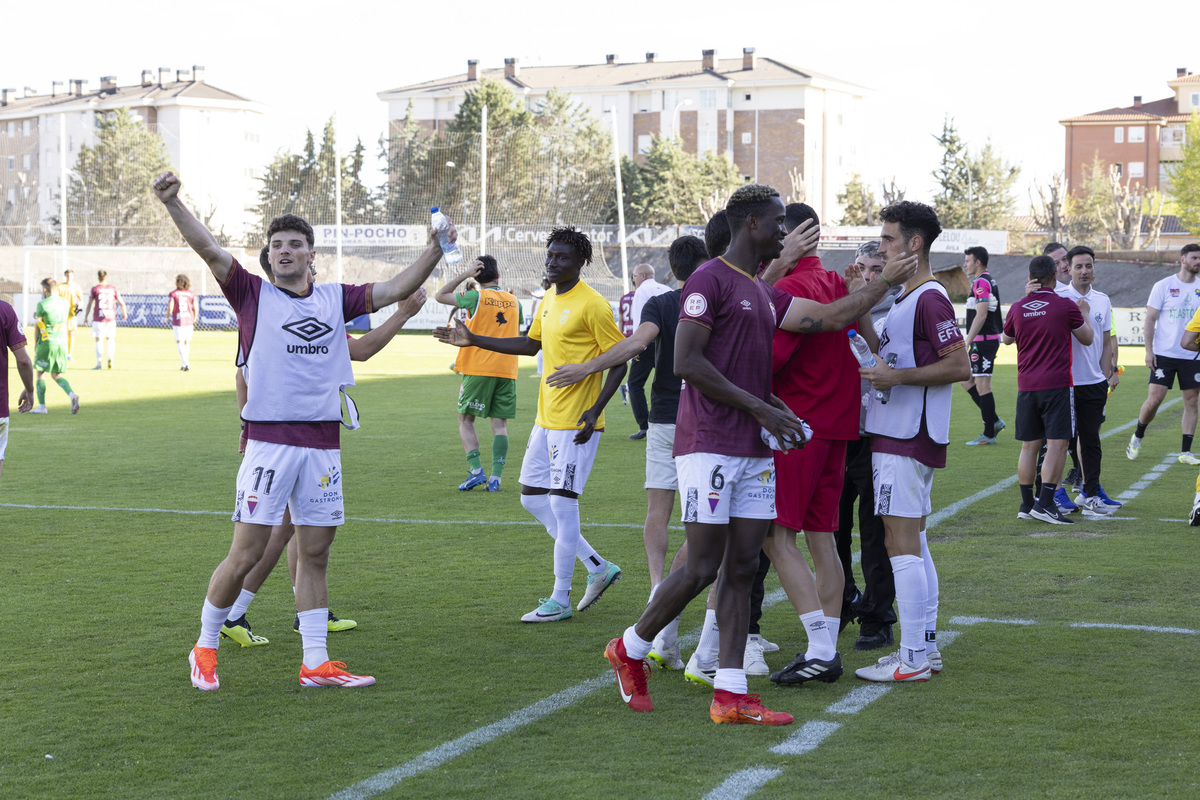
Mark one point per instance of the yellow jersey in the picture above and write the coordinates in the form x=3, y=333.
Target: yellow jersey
x=573, y=328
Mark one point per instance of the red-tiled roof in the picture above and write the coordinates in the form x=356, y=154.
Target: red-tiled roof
x=1154, y=111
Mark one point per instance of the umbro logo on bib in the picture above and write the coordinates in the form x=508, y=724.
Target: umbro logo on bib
x=308, y=329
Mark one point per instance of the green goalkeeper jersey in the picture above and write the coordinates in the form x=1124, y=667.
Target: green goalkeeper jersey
x=51, y=318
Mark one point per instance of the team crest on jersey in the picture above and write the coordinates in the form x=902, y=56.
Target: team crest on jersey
x=695, y=305
x=714, y=498
x=330, y=478
x=251, y=504
x=1174, y=293
x=562, y=319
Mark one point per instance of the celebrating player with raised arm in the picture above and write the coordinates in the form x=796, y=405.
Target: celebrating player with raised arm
x=292, y=337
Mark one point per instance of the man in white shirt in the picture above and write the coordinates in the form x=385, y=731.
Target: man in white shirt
x=1173, y=301
x=639, y=368
x=1091, y=366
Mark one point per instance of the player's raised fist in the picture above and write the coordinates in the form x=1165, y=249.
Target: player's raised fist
x=166, y=186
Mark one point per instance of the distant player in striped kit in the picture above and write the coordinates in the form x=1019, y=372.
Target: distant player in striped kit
x=182, y=313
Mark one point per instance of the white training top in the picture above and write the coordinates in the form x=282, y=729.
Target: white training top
x=1085, y=361
x=1176, y=302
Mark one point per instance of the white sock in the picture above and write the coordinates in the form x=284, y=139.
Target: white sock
x=566, y=513
x=819, y=646
x=211, y=620
x=669, y=635
x=314, y=630
x=182, y=353
x=99, y=352
x=931, y=596
x=831, y=625
x=112, y=347
x=635, y=646
x=710, y=641
x=653, y=589
x=731, y=680
x=241, y=604
x=909, y=573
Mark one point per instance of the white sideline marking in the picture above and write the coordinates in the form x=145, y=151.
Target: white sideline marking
x=810, y=735
x=743, y=784
x=978, y=620
x=858, y=698
x=1150, y=628
x=480, y=736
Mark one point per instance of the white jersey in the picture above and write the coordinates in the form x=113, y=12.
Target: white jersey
x=649, y=288
x=1176, y=303
x=900, y=417
x=298, y=362
x=1085, y=360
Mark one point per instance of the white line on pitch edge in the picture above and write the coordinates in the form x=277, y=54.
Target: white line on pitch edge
x=810, y=735
x=743, y=784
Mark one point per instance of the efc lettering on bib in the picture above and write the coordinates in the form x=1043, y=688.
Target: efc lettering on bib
x=298, y=363
x=901, y=416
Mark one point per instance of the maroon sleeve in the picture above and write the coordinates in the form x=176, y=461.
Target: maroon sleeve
x=1010, y=326
x=356, y=300
x=10, y=327
x=240, y=287
x=782, y=301
x=935, y=324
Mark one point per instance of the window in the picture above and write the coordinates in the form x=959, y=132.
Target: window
x=608, y=101
x=708, y=98
x=670, y=99
x=12, y=129
x=1120, y=170
x=1118, y=135
x=1137, y=134
x=1195, y=99
x=643, y=144
x=747, y=137
x=707, y=142
x=747, y=98
x=25, y=192
x=27, y=161
x=12, y=162
x=25, y=127
x=643, y=101
x=1137, y=169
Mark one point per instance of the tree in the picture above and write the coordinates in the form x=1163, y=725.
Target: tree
x=976, y=191
x=109, y=200
x=675, y=187
x=891, y=192
x=858, y=202
x=1050, y=207
x=1185, y=179
x=305, y=184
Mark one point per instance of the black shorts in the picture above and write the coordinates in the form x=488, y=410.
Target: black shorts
x=1045, y=414
x=1164, y=375
x=983, y=357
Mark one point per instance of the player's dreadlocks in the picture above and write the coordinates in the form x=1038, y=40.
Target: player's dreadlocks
x=573, y=238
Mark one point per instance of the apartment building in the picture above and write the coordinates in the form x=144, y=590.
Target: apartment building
x=1142, y=139
x=213, y=137
x=772, y=120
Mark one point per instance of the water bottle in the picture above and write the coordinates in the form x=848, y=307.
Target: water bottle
x=861, y=351
x=770, y=440
x=442, y=225
x=866, y=358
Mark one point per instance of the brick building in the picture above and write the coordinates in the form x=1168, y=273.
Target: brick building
x=769, y=118
x=213, y=137
x=1142, y=139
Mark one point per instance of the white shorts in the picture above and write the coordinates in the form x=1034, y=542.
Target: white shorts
x=660, y=464
x=104, y=330
x=716, y=487
x=3, y=436
x=554, y=461
x=902, y=486
x=183, y=333
x=277, y=476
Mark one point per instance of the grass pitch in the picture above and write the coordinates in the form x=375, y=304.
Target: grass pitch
x=113, y=520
